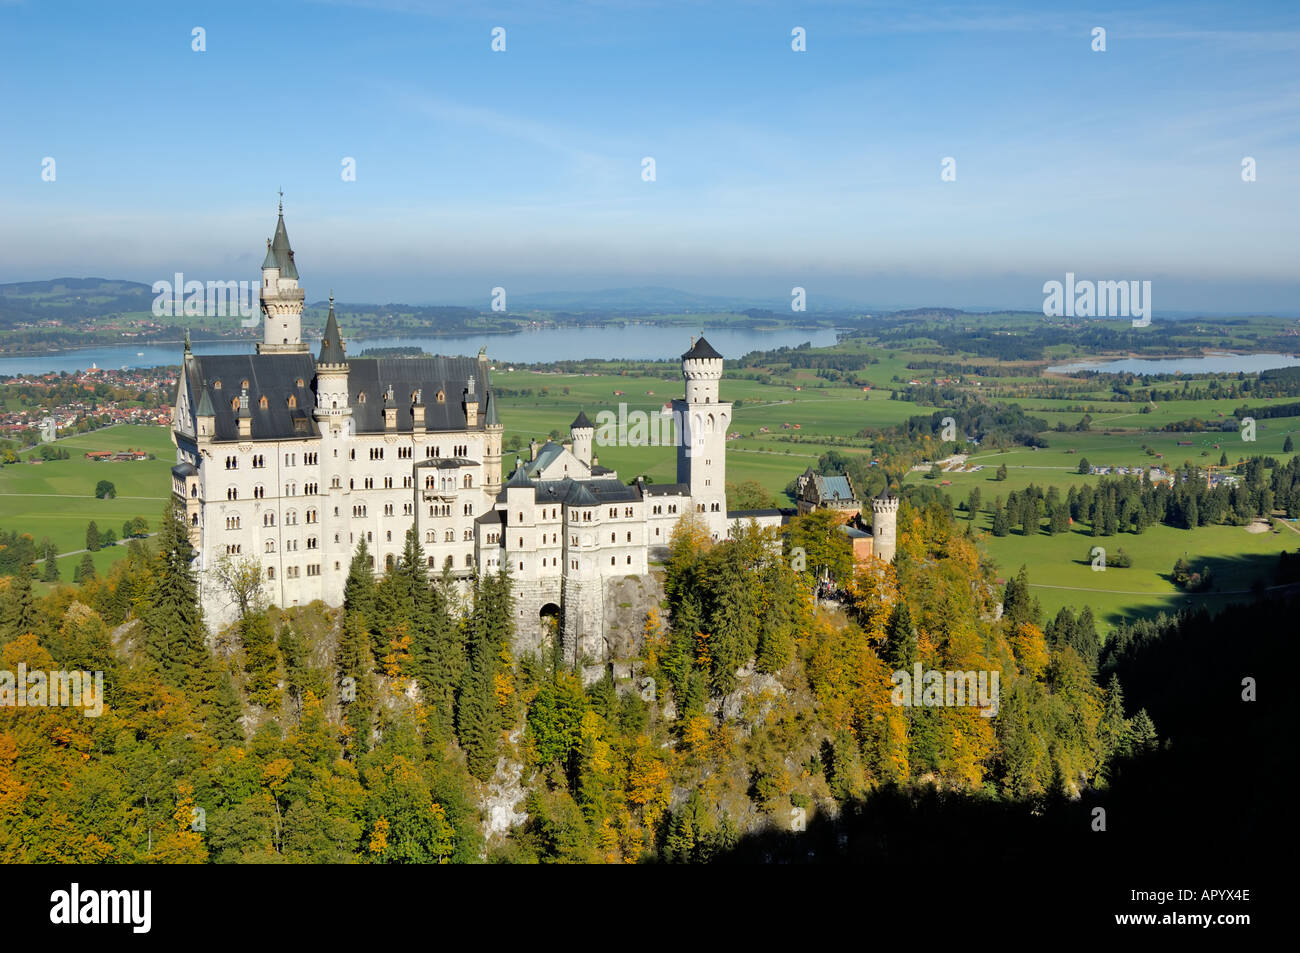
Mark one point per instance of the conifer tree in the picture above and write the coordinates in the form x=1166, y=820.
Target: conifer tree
x=51, y=567
x=173, y=626
x=92, y=537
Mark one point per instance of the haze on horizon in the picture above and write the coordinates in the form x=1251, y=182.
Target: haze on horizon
x=774, y=168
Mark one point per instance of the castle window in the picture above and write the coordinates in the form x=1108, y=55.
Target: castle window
x=234, y=404
x=262, y=404
x=430, y=562
x=361, y=398
x=216, y=385
x=299, y=383
x=442, y=398
x=270, y=545
x=293, y=400
x=270, y=572
x=244, y=383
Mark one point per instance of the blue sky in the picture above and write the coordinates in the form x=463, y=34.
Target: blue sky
x=774, y=168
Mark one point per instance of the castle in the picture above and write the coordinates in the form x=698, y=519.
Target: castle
x=287, y=462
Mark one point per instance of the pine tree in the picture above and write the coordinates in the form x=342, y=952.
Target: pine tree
x=92, y=537
x=19, y=607
x=901, y=646
x=85, y=571
x=174, y=635
x=1143, y=733
x=51, y=567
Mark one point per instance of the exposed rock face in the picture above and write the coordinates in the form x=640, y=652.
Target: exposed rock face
x=505, y=791
x=754, y=697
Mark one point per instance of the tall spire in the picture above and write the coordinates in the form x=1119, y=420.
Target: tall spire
x=331, y=343
x=279, y=249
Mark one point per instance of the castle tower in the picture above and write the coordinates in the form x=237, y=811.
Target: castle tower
x=702, y=421
x=583, y=434
x=884, y=525
x=333, y=415
x=281, y=297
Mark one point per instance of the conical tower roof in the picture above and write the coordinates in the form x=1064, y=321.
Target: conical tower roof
x=279, y=254
x=331, y=343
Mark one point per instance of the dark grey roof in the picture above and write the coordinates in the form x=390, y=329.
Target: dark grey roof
x=490, y=418
x=205, y=405
x=746, y=514
x=597, y=470
x=575, y=492
x=885, y=494
x=545, y=456
x=184, y=469
x=281, y=251
x=273, y=376
x=332, y=349
x=491, y=516
x=447, y=463
x=852, y=532
x=517, y=479
x=373, y=377
x=580, y=495
x=581, y=421
x=666, y=489
x=701, y=350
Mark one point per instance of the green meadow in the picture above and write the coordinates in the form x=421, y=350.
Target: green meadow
x=57, y=498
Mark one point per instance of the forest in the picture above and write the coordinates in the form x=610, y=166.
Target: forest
x=383, y=731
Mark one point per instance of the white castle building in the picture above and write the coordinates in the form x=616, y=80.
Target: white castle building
x=289, y=461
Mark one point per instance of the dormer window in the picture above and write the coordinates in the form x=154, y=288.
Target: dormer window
x=293, y=400
x=216, y=385
x=299, y=383
x=361, y=397
x=234, y=404
x=262, y=404
x=442, y=398
x=244, y=384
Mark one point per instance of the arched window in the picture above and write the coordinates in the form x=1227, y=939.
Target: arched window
x=270, y=572
x=262, y=403
x=293, y=400
x=216, y=385
x=270, y=545
x=442, y=398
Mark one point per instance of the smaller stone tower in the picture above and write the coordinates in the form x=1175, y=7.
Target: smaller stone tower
x=583, y=433
x=884, y=525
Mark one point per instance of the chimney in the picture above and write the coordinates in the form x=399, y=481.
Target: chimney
x=533, y=446
x=417, y=411
x=471, y=404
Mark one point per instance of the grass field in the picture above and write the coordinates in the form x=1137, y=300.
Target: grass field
x=1060, y=567
x=57, y=498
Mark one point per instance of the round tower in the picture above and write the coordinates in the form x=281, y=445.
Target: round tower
x=884, y=526
x=583, y=434
x=282, y=299
x=702, y=421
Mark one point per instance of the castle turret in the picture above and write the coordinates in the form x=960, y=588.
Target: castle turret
x=281, y=297
x=702, y=421
x=583, y=434
x=884, y=525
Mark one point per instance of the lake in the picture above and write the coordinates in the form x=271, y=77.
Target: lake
x=1210, y=364
x=632, y=342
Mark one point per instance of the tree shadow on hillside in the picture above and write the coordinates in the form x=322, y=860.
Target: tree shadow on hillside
x=1206, y=804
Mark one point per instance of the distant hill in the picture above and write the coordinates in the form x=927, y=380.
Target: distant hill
x=70, y=299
